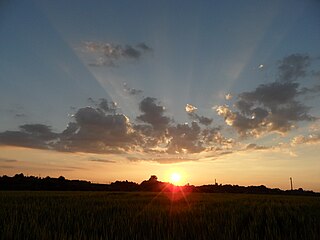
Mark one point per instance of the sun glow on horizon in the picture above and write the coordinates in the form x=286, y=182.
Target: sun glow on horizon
x=175, y=178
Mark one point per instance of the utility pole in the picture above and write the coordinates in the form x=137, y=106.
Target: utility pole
x=291, y=183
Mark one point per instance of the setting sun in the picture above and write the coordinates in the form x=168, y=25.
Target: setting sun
x=175, y=178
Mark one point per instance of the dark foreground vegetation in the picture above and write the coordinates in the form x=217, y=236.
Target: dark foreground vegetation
x=21, y=182
x=167, y=215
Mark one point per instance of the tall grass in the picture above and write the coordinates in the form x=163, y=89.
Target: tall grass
x=97, y=215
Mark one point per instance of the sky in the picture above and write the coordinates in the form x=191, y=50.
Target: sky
x=121, y=90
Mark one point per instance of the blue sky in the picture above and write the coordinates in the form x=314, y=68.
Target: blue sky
x=54, y=58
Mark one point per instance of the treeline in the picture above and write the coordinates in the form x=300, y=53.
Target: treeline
x=32, y=183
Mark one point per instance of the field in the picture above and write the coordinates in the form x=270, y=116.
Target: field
x=120, y=215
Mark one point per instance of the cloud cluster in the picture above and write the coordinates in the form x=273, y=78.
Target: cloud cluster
x=293, y=67
x=310, y=139
x=191, y=110
x=100, y=129
x=271, y=107
x=29, y=135
x=131, y=91
x=107, y=54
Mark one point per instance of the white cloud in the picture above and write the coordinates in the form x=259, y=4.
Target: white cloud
x=228, y=96
x=190, y=108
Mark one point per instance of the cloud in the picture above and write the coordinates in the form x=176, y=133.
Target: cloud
x=272, y=107
x=30, y=135
x=293, y=67
x=190, y=109
x=272, y=94
x=201, y=119
x=185, y=139
x=310, y=139
x=100, y=128
x=204, y=120
x=144, y=47
x=96, y=129
x=228, y=96
x=131, y=91
x=102, y=160
x=153, y=114
x=253, y=146
x=163, y=160
x=108, y=54
x=310, y=91
x=103, y=105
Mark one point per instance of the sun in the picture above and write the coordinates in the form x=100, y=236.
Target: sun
x=175, y=178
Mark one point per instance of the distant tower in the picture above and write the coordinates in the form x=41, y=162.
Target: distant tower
x=215, y=181
x=291, y=183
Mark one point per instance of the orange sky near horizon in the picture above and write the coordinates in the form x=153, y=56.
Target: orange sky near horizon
x=259, y=168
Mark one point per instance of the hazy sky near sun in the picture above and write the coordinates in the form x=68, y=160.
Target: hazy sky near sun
x=106, y=90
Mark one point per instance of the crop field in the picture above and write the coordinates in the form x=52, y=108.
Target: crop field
x=138, y=215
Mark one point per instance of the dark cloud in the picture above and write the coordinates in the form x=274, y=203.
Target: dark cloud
x=275, y=106
x=103, y=105
x=270, y=107
x=226, y=153
x=100, y=129
x=293, y=67
x=131, y=52
x=310, y=92
x=107, y=54
x=102, y=160
x=131, y=91
x=30, y=135
x=185, y=139
x=153, y=114
x=201, y=119
x=270, y=95
x=38, y=130
x=97, y=130
x=163, y=160
x=253, y=146
x=144, y=47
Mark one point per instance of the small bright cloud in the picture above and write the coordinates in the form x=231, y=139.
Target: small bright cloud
x=190, y=108
x=228, y=96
